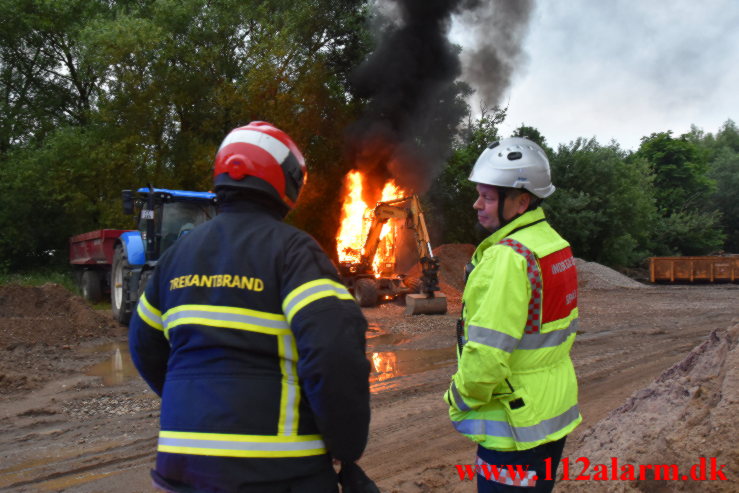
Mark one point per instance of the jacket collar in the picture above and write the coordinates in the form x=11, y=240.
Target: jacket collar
x=522, y=220
x=248, y=206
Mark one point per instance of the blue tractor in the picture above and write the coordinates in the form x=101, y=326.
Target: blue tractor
x=163, y=216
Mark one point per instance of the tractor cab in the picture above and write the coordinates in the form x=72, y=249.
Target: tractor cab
x=164, y=216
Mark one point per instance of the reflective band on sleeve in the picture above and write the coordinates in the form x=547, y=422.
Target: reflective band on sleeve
x=290, y=394
x=458, y=399
x=539, y=340
x=149, y=314
x=311, y=291
x=492, y=338
x=503, y=429
x=227, y=317
x=225, y=445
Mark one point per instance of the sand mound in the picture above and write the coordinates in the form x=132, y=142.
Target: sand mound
x=47, y=314
x=452, y=259
x=688, y=413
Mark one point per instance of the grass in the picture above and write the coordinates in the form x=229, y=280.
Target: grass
x=40, y=277
x=62, y=276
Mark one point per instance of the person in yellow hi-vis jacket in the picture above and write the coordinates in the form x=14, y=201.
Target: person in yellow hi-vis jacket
x=255, y=347
x=515, y=391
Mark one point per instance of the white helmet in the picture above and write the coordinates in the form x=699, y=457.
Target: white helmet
x=514, y=162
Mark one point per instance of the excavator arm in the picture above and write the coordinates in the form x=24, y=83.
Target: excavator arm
x=408, y=208
x=429, y=263
x=367, y=287
x=382, y=213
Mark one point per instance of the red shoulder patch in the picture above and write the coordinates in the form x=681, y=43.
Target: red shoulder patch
x=559, y=277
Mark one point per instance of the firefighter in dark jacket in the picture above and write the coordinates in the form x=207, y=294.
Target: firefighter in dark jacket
x=255, y=347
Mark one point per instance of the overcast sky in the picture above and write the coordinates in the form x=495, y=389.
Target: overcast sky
x=622, y=69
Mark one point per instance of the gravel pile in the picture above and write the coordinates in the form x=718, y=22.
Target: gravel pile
x=592, y=275
x=420, y=324
x=115, y=405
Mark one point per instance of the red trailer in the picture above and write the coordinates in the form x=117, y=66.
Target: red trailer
x=91, y=254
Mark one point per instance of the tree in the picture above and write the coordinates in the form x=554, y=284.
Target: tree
x=724, y=170
x=603, y=205
x=105, y=95
x=681, y=180
x=43, y=81
x=690, y=221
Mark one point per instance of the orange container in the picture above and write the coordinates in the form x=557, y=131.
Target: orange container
x=694, y=269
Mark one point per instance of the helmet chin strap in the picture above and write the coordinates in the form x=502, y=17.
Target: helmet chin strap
x=502, y=194
x=502, y=221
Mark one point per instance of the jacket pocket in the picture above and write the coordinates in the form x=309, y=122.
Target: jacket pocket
x=519, y=407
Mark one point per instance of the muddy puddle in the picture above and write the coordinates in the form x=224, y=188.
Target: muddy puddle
x=115, y=370
x=388, y=367
x=388, y=363
x=377, y=337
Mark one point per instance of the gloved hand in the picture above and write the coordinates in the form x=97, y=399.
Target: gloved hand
x=353, y=480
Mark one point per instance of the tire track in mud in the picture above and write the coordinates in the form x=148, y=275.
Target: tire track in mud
x=73, y=432
x=80, y=467
x=418, y=437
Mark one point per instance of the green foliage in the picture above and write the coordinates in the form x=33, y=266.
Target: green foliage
x=681, y=180
x=101, y=95
x=687, y=233
x=34, y=231
x=696, y=181
x=603, y=204
x=39, y=277
x=724, y=169
x=105, y=95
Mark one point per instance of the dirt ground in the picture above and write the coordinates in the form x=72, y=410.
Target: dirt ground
x=74, y=416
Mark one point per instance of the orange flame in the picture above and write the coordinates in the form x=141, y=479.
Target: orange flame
x=350, y=240
x=385, y=365
x=356, y=219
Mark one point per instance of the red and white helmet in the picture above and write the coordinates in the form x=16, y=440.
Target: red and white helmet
x=261, y=157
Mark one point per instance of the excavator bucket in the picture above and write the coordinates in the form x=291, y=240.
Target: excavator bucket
x=422, y=304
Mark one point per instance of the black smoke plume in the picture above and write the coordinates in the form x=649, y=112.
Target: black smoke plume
x=412, y=84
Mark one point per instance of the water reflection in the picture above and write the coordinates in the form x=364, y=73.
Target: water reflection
x=389, y=365
x=116, y=369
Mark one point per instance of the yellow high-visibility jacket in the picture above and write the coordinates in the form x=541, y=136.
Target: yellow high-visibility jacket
x=515, y=387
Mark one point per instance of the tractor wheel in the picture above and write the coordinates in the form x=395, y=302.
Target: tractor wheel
x=365, y=291
x=119, y=287
x=91, y=287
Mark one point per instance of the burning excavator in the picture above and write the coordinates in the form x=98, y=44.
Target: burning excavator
x=367, y=248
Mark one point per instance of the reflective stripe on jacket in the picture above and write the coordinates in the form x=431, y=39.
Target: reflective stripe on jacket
x=515, y=387
x=258, y=353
